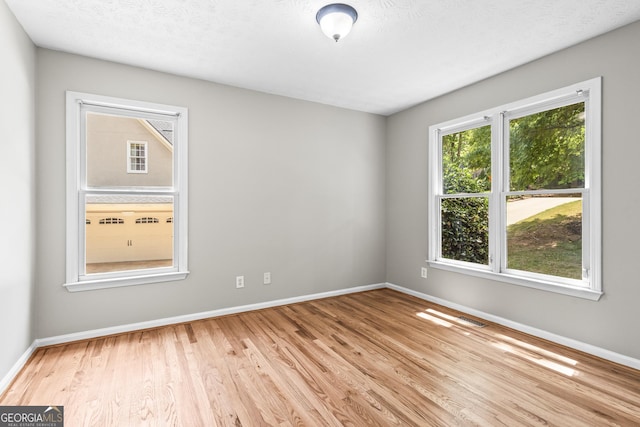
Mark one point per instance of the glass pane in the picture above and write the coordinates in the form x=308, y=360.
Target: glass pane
x=465, y=229
x=125, y=232
x=128, y=152
x=546, y=149
x=544, y=235
x=466, y=161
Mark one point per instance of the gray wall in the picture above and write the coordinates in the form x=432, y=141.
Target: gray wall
x=17, y=189
x=276, y=184
x=610, y=323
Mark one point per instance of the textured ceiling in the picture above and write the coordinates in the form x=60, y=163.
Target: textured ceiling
x=399, y=53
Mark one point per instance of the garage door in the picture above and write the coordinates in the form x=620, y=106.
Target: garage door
x=129, y=236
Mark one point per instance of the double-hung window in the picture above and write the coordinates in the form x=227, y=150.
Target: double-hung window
x=515, y=192
x=126, y=167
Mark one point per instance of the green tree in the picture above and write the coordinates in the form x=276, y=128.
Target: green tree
x=465, y=229
x=466, y=161
x=466, y=158
x=547, y=149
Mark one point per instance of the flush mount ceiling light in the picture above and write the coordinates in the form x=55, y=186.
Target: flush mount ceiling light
x=336, y=20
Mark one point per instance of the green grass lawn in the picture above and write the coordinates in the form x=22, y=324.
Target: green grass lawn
x=549, y=242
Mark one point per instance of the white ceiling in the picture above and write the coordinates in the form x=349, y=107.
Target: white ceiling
x=399, y=53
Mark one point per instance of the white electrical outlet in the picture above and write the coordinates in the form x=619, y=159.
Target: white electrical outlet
x=423, y=272
x=267, y=278
x=239, y=281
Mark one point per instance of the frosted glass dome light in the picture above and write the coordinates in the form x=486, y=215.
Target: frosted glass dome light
x=336, y=20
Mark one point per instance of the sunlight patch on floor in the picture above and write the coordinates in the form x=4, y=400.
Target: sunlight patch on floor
x=565, y=370
x=443, y=315
x=537, y=349
x=435, y=320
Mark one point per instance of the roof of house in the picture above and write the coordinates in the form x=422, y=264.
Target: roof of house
x=163, y=128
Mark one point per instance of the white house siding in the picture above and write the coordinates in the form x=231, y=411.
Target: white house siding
x=107, y=138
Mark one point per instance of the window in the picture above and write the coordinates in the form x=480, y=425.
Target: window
x=137, y=157
x=103, y=134
x=515, y=192
x=109, y=221
x=147, y=220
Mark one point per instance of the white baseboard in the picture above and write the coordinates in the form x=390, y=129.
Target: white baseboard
x=15, y=369
x=61, y=339
x=568, y=342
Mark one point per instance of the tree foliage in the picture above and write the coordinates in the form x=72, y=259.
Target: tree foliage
x=466, y=160
x=546, y=151
x=465, y=229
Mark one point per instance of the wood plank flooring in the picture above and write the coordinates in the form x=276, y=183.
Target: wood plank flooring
x=377, y=358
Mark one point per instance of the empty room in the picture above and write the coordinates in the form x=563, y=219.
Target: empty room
x=386, y=212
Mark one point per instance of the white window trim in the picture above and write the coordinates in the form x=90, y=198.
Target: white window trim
x=591, y=203
x=75, y=281
x=146, y=157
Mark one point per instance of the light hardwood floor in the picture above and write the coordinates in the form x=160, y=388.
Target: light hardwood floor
x=372, y=358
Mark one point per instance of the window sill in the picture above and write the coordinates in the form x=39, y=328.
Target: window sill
x=90, y=285
x=574, y=291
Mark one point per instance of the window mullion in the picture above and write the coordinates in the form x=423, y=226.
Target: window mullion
x=500, y=158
